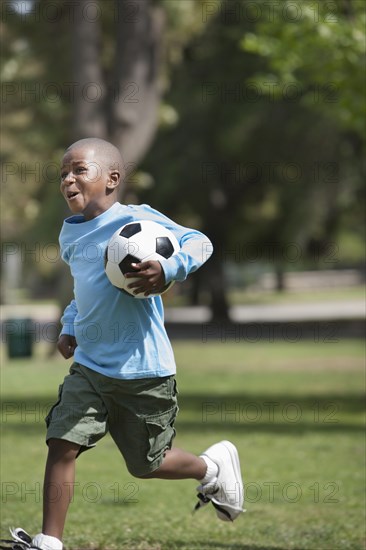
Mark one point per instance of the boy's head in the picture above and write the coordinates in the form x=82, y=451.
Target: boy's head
x=91, y=171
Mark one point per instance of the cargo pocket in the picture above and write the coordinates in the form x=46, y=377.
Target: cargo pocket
x=49, y=416
x=161, y=432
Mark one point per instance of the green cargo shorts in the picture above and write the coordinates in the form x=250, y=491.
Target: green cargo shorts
x=139, y=414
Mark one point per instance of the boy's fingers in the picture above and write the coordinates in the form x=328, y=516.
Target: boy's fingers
x=66, y=346
x=136, y=273
x=148, y=278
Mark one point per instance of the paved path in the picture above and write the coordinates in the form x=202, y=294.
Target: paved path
x=340, y=310
x=41, y=313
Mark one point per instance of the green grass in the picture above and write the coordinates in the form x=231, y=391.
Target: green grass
x=295, y=412
x=250, y=297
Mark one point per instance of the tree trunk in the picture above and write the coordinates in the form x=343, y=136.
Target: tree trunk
x=219, y=303
x=214, y=274
x=88, y=109
x=136, y=91
x=280, y=278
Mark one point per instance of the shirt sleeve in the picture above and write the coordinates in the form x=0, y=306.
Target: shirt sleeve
x=67, y=320
x=195, y=248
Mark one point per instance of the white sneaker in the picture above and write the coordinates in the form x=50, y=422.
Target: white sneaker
x=21, y=541
x=226, y=491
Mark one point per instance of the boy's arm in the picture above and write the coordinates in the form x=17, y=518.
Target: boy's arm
x=195, y=249
x=67, y=343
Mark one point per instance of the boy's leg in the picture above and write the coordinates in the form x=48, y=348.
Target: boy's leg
x=141, y=415
x=58, y=485
x=178, y=464
x=68, y=419
x=217, y=470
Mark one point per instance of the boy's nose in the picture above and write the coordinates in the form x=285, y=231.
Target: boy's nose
x=70, y=178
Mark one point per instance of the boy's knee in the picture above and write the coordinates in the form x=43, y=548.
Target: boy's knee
x=148, y=475
x=136, y=475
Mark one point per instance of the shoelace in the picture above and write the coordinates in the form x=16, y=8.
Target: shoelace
x=14, y=545
x=204, y=499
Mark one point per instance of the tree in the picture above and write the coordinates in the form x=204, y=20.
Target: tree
x=249, y=168
x=316, y=50
x=126, y=110
x=104, y=75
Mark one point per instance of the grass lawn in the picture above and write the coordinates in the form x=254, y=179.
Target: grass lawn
x=295, y=412
x=250, y=297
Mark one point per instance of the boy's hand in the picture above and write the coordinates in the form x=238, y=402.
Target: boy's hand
x=151, y=277
x=66, y=345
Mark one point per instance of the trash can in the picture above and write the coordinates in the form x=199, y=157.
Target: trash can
x=19, y=337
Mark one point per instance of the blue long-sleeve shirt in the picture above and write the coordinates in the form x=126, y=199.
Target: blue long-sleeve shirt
x=118, y=335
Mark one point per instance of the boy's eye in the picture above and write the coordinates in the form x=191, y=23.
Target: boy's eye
x=78, y=170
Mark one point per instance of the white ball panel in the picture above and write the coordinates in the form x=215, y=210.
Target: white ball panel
x=141, y=245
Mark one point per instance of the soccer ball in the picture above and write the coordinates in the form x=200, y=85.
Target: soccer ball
x=133, y=243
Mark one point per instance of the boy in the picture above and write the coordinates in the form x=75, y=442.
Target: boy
x=116, y=384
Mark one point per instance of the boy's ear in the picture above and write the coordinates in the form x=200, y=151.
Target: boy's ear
x=114, y=179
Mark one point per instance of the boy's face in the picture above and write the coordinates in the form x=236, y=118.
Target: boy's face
x=87, y=183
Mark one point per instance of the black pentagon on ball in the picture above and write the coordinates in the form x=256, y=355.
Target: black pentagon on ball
x=130, y=230
x=164, y=247
x=105, y=257
x=125, y=265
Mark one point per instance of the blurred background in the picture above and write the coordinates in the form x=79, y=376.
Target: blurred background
x=244, y=119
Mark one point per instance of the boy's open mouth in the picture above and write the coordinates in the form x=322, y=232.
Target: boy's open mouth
x=72, y=194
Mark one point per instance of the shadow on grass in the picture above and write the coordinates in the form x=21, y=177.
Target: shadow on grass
x=279, y=413
x=275, y=413
x=208, y=546
x=204, y=545
x=221, y=546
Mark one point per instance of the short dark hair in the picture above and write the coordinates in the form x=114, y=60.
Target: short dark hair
x=109, y=152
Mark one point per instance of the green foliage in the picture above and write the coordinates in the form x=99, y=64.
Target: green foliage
x=35, y=122
x=250, y=166
x=39, y=91
x=316, y=50
x=257, y=165
x=38, y=95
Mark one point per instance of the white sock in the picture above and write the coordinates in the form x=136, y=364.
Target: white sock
x=211, y=472
x=46, y=542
